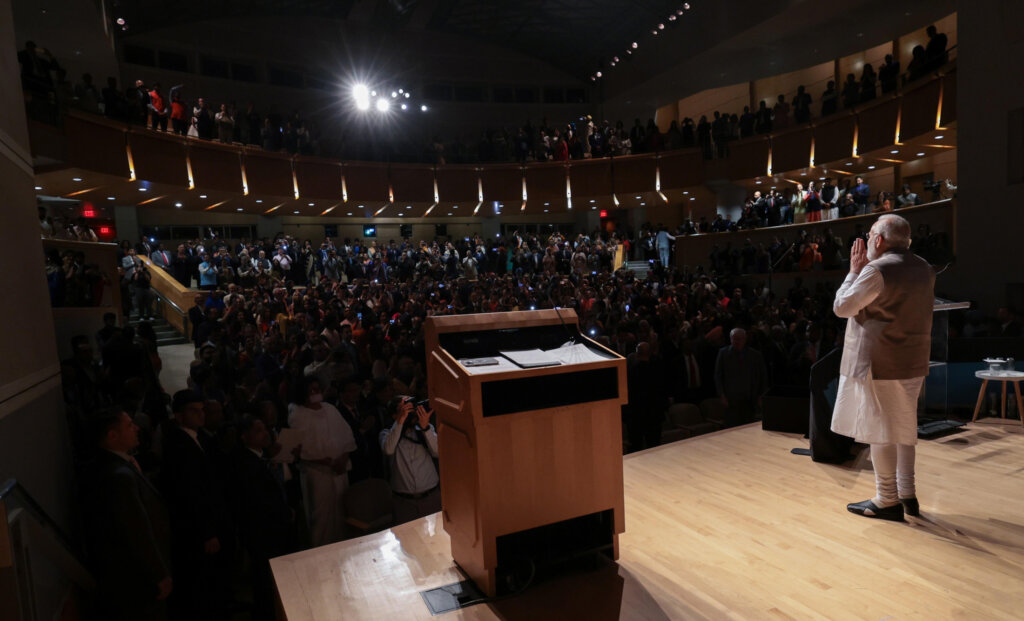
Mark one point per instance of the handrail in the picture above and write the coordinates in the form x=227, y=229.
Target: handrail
x=11, y=489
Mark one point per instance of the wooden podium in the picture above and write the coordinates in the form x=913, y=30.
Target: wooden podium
x=530, y=458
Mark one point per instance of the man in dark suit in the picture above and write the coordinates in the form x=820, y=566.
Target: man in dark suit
x=740, y=378
x=264, y=517
x=128, y=530
x=199, y=519
x=144, y=247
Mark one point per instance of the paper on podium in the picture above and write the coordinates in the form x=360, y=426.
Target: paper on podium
x=288, y=439
x=532, y=358
x=576, y=353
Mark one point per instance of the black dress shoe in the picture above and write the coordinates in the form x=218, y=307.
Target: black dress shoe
x=910, y=506
x=869, y=509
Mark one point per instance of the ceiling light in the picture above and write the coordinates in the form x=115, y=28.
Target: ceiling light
x=408, y=206
x=848, y=164
x=39, y=187
x=872, y=167
x=939, y=137
x=634, y=46
x=310, y=204
x=400, y=214
x=407, y=95
x=921, y=154
x=758, y=182
x=654, y=32
x=672, y=18
x=202, y=196
x=546, y=204
x=177, y=205
x=615, y=59
x=383, y=105
x=693, y=199
x=143, y=189
x=638, y=198
x=423, y=108
x=350, y=213
x=361, y=207
x=259, y=200
x=405, y=107
x=296, y=211
x=401, y=91
x=394, y=94
x=685, y=192
x=545, y=211
x=238, y=209
x=76, y=178
x=363, y=104
x=642, y=204
x=110, y=198
x=894, y=151
x=686, y=5
x=661, y=26
x=593, y=201
x=598, y=74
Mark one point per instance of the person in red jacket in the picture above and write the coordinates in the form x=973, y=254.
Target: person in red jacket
x=179, y=112
x=157, y=109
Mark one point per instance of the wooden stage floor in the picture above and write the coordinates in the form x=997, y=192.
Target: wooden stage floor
x=731, y=525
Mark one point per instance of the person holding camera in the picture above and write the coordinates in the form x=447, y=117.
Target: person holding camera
x=410, y=446
x=141, y=278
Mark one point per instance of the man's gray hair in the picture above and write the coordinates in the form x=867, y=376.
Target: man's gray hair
x=895, y=230
x=737, y=332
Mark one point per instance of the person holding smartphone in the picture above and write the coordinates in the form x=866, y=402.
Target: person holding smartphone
x=410, y=446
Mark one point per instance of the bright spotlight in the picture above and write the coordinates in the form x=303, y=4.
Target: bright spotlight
x=405, y=107
x=598, y=74
x=394, y=94
x=359, y=91
x=406, y=95
x=383, y=105
x=363, y=104
x=423, y=108
x=401, y=91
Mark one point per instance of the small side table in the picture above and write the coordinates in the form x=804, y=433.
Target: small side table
x=1000, y=376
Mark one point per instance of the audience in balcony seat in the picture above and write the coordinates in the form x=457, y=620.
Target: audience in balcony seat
x=829, y=99
x=889, y=75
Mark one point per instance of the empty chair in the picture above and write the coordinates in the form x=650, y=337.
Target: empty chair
x=689, y=418
x=713, y=410
x=368, y=506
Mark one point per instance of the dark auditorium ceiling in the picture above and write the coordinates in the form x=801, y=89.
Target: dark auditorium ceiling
x=572, y=35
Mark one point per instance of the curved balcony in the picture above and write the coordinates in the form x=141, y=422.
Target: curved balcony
x=131, y=165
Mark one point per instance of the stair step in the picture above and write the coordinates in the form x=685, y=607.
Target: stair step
x=176, y=340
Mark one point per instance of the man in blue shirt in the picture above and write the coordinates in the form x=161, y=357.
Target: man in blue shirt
x=861, y=194
x=662, y=243
x=207, y=273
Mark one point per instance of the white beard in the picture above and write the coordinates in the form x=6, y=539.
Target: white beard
x=873, y=253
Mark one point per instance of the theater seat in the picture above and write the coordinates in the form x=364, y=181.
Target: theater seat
x=368, y=506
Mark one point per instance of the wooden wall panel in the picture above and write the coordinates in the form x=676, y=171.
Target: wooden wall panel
x=681, y=169
x=318, y=178
x=503, y=183
x=748, y=158
x=215, y=167
x=833, y=138
x=634, y=173
x=791, y=150
x=159, y=158
x=591, y=177
x=920, y=110
x=98, y=146
x=269, y=173
x=876, y=126
x=413, y=183
x=367, y=182
x=457, y=183
x=545, y=181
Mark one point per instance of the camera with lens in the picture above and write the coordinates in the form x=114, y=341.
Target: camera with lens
x=415, y=404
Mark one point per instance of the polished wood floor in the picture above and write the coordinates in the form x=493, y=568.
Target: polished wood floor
x=732, y=526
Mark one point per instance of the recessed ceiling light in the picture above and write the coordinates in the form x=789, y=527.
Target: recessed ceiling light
x=921, y=154
x=144, y=189
x=821, y=178
x=685, y=192
x=593, y=201
x=202, y=196
x=545, y=204
x=939, y=137
x=110, y=198
x=310, y=204
x=894, y=151
x=400, y=215
x=803, y=174
x=545, y=211
x=259, y=200
x=455, y=206
x=408, y=206
x=758, y=182
x=693, y=199
x=76, y=178
x=177, y=204
x=637, y=198
x=849, y=163
x=361, y=207
x=39, y=187
x=642, y=204
x=449, y=214
x=296, y=211
x=872, y=167
x=238, y=209
x=350, y=213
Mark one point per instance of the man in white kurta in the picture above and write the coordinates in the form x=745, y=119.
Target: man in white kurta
x=327, y=441
x=887, y=297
